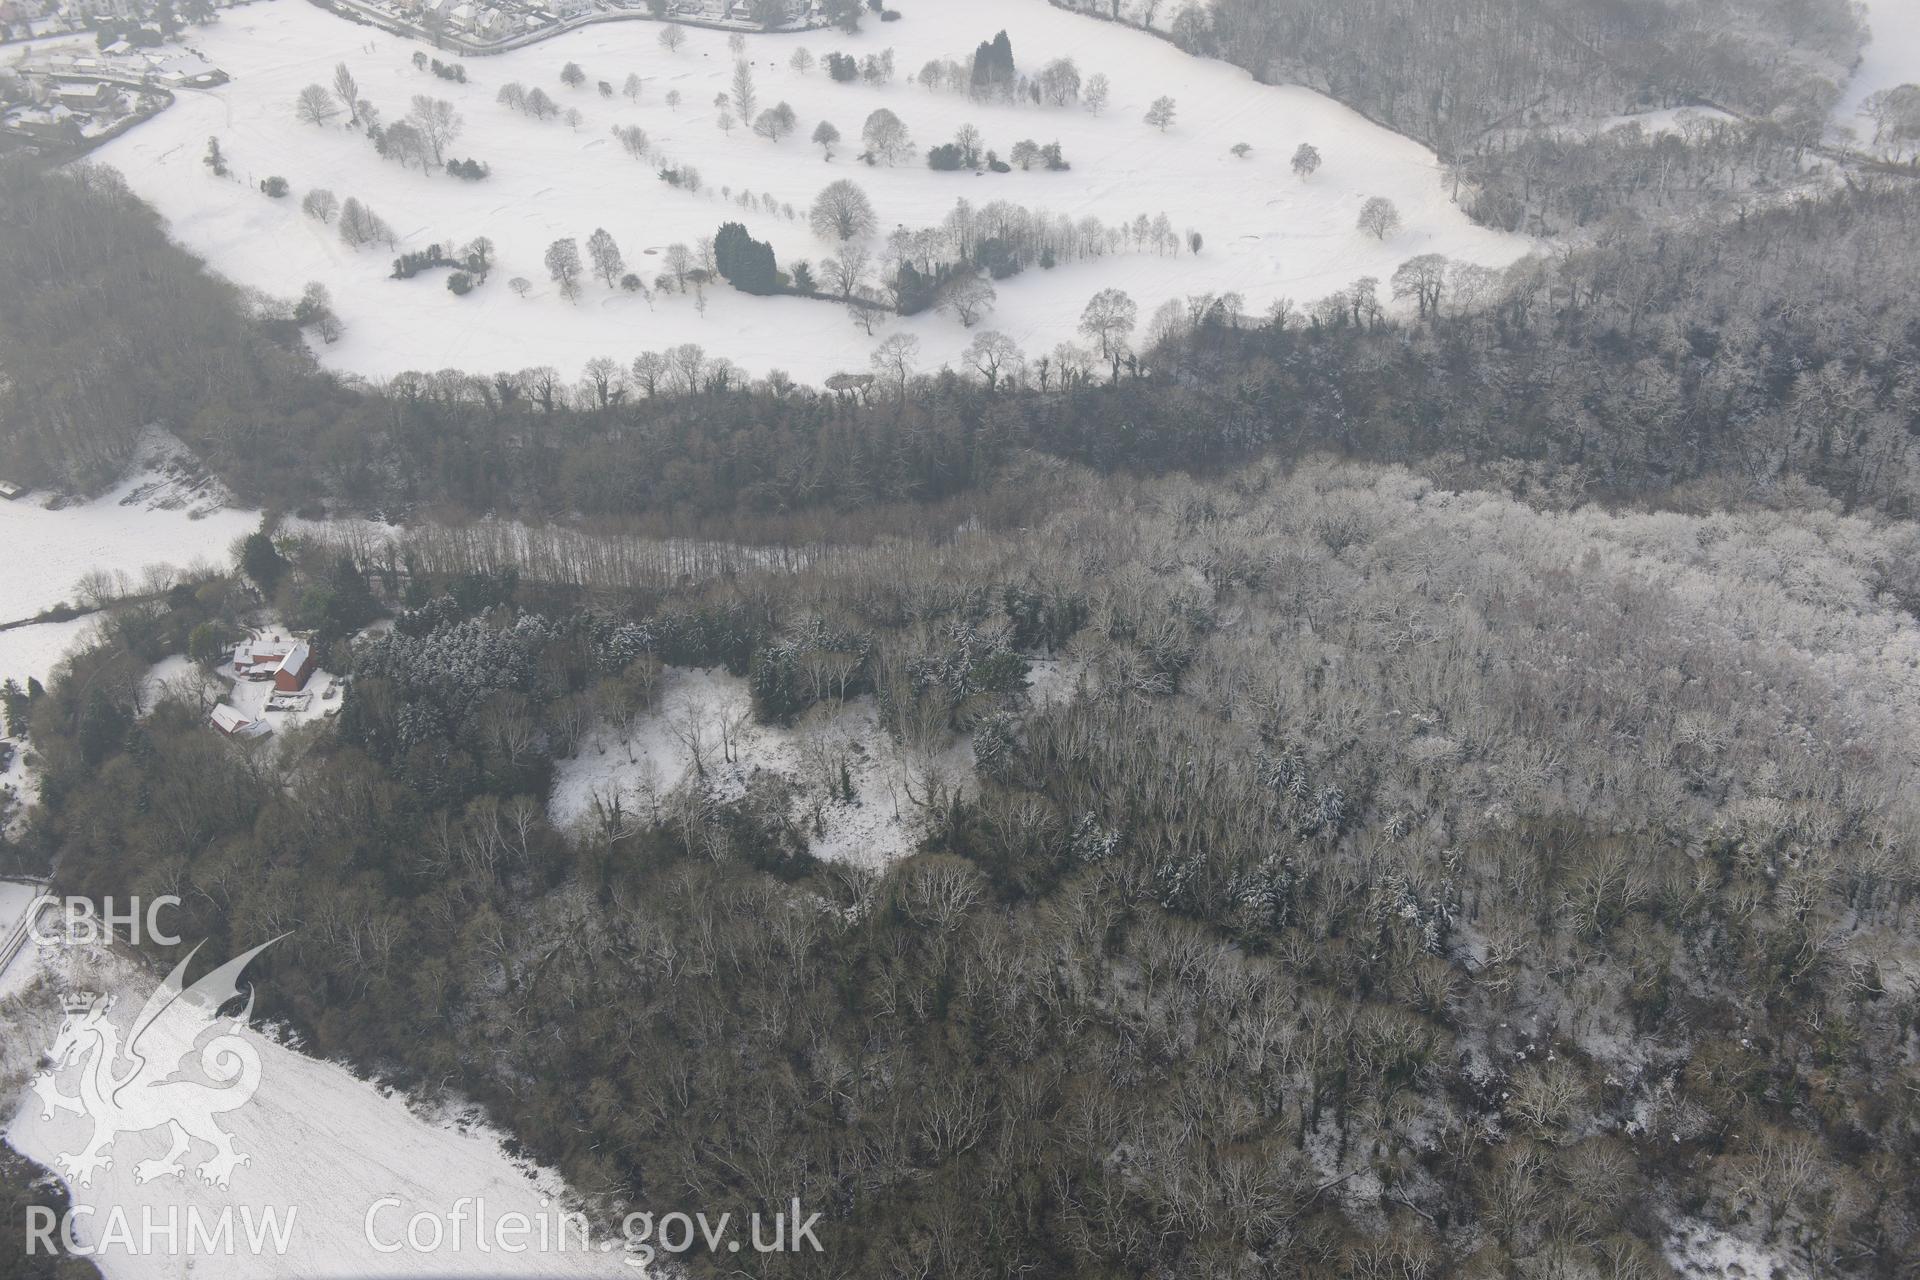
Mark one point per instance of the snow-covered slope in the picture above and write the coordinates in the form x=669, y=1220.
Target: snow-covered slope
x=321, y=1142
x=33, y=652
x=1267, y=235
x=151, y=518
x=158, y=516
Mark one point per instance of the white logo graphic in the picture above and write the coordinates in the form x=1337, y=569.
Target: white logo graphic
x=145, y=1083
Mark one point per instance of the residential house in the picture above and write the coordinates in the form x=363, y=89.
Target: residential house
x=295, y=669
x=46, y=124
x=261, y=659
x=88, y=96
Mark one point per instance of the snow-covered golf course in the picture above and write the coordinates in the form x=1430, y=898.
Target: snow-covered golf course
x=1266, y=234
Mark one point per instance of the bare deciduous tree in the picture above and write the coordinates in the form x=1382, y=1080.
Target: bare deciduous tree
x=825, y=135
x=1378, y=217
x=994, y=356
x=885, y=137
x=437, y=122
x=315, y=105
x=895, y=358
x=347, y=90
x=563, y=266
x=968, y=297
x=1109, y=320
x=842, y=212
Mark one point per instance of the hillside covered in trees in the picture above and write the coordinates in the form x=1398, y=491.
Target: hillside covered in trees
x=1493, y=86
x=1413, y=882
x=1405, y=792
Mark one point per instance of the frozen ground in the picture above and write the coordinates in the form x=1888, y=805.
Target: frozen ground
x=1892, y=57
x=322, y=1142
x=1267, y=234
x=704, y=716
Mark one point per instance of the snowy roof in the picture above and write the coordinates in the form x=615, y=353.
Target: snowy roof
x=43, y=115
x=232, y=720
x=296, y=658
x=186, y=63
x=262, y=653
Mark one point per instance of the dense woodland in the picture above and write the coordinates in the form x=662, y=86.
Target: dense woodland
x=1478, y=840
x=1417, y=884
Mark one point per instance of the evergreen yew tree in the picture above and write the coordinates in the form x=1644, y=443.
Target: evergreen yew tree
x=13, y=701
x=993, y=68
x=746, y=263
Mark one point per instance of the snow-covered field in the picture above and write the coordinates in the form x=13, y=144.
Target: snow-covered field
x=33, y=652
x=1892, y=57
x=321, y=1142
x=153, y=518
x=1267, y=235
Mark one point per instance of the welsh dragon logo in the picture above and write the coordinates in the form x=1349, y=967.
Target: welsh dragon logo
x=143, y=1082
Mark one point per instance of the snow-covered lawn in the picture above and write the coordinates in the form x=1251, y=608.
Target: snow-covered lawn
x=321, y=1142
x=1892, y=57
x=704, y=716
x=1267, y=234
x=171, y=675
